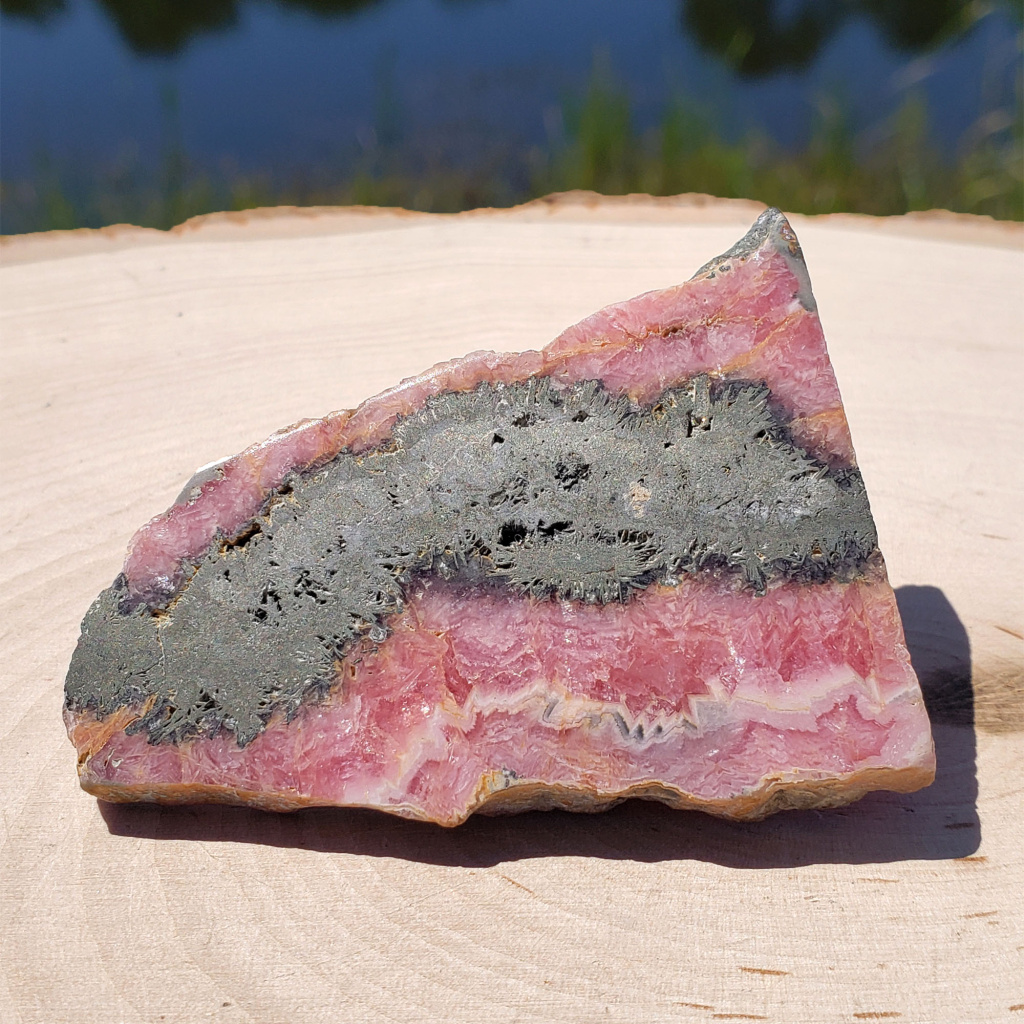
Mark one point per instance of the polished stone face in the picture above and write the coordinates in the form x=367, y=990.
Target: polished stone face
x=570, y=494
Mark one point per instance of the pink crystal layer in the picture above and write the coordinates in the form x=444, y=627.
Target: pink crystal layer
x=744, y=323
x=698, y=695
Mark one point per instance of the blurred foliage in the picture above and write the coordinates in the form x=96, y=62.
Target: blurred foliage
x=595, y=147
x=763, y=37
x=165, y=27
x=593, y=142
x=34, y=10
x=895, y=171
x=755, y=37
x=162, y=27
x=751, y=37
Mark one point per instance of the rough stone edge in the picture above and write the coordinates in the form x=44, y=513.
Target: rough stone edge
x=770, y=228
x=776, y=793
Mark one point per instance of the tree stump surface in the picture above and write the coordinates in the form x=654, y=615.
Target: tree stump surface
x=130, y=357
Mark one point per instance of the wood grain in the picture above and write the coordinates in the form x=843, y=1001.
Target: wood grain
x=125, y=366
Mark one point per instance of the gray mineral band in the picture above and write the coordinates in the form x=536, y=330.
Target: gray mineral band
x=571, y=494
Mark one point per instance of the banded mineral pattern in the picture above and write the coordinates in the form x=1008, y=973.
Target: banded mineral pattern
x=638, y=563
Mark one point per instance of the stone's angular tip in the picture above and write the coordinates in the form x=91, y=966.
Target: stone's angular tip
x=638, y=563
x=770, y=231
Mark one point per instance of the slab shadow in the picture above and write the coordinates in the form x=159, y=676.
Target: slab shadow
x=938, y=823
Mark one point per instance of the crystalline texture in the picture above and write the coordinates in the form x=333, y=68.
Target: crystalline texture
x=638, y=563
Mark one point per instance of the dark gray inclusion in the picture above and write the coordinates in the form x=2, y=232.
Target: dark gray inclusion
x=574, y=494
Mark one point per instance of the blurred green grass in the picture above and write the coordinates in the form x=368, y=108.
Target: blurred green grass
x=893, y=168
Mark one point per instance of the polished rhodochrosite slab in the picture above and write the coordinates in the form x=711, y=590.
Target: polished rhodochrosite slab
x=638, y=563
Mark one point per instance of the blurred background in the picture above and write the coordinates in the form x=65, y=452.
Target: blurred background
x=152, y=111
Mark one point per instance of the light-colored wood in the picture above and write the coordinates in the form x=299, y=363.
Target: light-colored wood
x=560, y=207
x=125, y=366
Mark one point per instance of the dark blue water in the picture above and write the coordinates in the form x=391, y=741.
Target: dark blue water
x=281, y=90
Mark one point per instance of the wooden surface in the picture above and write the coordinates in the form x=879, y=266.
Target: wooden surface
x=130, y=358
